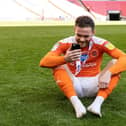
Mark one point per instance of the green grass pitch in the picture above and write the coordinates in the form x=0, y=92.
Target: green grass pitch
x=28, y=93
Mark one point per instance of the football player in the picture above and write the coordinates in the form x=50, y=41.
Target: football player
x=77, y=70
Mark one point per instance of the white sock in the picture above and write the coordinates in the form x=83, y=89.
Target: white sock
x=95, y=107
x=78, y=106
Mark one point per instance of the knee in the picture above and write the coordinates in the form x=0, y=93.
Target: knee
x=59, y=67
x=113, y=61
x=58, y=70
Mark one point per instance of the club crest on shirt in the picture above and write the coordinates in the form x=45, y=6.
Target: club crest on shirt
x=94, y=53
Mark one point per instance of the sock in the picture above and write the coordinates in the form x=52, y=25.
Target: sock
x=79, y=108
x=95, y=107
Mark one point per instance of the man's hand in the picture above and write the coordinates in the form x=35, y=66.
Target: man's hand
x=72, y=55
x=104, y=79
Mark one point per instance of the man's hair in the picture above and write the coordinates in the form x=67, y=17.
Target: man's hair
x=85, y=21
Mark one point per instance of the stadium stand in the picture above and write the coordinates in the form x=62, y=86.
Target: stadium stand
x=25, y=10
x=36, y=10
x=102, y=7
x=11, y=11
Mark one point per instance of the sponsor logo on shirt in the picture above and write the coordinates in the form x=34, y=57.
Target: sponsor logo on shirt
x=93, y=64
x=89, y=65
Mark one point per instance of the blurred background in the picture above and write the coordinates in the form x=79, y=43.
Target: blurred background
x=61, y=10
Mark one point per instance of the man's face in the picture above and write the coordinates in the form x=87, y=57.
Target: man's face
x=83, y=35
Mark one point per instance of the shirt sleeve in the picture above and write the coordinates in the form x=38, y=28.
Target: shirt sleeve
x=55, y=57
x=116, y=53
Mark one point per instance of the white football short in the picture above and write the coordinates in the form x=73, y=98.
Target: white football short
x=86, y=86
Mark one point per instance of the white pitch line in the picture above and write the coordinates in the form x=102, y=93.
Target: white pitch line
x=54, y=23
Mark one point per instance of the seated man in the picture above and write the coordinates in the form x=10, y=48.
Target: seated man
x=77, y=72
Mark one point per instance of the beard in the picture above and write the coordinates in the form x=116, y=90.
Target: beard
x=83, y=43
